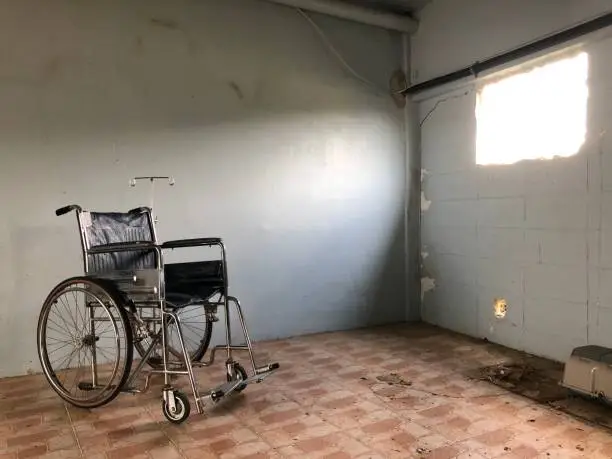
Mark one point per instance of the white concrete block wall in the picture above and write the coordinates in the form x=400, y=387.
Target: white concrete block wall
x=537, y=233
x=274, y=147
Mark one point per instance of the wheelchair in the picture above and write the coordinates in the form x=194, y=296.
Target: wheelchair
x=129, y=299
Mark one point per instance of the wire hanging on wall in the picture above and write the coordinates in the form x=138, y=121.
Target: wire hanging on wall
x=341, y=59
x=440, y=101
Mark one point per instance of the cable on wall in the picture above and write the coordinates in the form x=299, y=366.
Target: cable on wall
x=337, y=54
x=440, y=101
x=524, y=51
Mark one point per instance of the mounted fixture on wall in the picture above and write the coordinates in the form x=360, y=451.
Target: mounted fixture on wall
x=397, y=87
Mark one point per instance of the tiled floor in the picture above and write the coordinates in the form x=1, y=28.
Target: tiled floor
x=392, y=392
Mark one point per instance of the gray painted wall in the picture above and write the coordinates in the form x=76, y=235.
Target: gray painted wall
x=274, y=147
x=536, y=233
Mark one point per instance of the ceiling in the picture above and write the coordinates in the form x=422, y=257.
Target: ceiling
x=393, y=6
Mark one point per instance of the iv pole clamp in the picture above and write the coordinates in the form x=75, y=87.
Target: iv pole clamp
x=152, y=180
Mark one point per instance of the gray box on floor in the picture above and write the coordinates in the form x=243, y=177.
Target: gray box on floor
x=589, y=371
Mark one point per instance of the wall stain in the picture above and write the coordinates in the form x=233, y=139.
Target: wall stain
x=234, y=86
x=167, y=23
x=174, y=25
x=139, y=44
x=52, y=67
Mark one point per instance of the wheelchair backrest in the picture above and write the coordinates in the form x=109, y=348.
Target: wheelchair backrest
x=101, y=228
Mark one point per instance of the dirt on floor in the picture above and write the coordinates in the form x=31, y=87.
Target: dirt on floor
x=538, y=379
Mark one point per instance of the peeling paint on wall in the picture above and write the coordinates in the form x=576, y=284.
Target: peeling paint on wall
x=424, y=254
x=500, y=308
x=427, y=284
x=425, y=204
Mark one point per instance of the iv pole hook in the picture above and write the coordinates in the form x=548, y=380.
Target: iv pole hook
x=152, y=180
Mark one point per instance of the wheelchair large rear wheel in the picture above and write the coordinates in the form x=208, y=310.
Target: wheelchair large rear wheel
x=85, y=341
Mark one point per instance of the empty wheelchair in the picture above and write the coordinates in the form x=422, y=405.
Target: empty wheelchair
x=129, y=299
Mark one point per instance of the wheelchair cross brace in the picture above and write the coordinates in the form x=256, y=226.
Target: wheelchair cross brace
x=214, y=395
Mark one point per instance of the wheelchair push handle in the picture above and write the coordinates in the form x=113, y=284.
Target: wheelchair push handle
x=139, y=210
x=66, y=209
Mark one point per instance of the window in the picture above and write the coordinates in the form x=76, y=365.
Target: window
x=537, y=114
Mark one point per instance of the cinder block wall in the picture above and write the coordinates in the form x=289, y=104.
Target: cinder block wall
x=536, y=233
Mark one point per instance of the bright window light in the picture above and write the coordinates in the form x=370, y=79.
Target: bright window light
x=538, y=114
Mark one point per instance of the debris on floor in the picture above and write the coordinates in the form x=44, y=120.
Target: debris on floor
x=393, y=379
x=538, y=379
x=523, y=379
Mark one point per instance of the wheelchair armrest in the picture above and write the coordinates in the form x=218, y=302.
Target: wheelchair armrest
x=198, y=242
x=66, y=209
x=123, y=247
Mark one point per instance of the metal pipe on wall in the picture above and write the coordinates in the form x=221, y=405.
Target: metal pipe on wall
x=527, y=50
x=390, y=21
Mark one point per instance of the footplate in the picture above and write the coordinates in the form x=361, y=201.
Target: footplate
x=262, y=373
x=224, y=390
x=217, y=394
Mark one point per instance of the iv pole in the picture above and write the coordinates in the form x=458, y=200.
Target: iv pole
x=152, y=180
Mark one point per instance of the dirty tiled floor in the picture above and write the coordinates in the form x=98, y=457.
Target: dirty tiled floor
x=390, y=392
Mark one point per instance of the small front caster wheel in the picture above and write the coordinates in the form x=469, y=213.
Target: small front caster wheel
x=181, y=408
x=240, y=374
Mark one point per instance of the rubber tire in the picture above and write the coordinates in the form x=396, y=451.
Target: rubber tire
x=115, y=295
x=242, y=372
x=184, y=401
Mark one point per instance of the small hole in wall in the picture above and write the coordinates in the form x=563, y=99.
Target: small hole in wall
x=500, y=307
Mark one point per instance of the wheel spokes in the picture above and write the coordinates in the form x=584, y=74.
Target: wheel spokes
x=81, y=343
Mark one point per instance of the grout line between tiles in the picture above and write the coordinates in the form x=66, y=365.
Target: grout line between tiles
x=162, y=430
x=74, y=432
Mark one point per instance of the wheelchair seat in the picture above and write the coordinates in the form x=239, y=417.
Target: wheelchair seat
x=185, y=283
x=192, y=282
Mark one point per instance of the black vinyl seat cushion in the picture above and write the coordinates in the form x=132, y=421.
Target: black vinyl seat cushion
x=192, y=282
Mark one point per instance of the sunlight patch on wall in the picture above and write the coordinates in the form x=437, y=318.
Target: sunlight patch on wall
x=537, y=114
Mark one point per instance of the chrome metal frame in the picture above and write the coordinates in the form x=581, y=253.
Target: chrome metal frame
x=167, y=317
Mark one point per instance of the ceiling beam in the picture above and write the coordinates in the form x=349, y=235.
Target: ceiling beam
x=390, y=21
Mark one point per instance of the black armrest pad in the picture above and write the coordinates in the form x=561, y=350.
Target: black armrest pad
x=122, y=247
x=191, y=242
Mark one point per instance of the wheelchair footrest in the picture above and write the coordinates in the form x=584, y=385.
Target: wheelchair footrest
x=220, y=392
x=217, y=394
x=262, y=373
x=267, y=368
